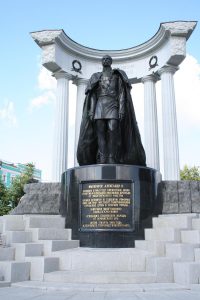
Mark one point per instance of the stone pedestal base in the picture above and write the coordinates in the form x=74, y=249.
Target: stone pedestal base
x=109, y=205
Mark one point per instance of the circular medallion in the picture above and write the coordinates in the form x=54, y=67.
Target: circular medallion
x=76, y=66
x=153, y=62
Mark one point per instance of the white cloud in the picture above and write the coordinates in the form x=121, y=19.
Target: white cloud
x=47, y=86
x=45, y=80
x=187, y=83
x=7, y=113
x=45, y=98
x=187, y=89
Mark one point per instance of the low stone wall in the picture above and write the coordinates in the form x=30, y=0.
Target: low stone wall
x=179, y=196
x=176, y=197
x=39, y=198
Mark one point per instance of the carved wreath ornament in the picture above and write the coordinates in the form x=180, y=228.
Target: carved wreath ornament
x=153, y=62
x=76, y=66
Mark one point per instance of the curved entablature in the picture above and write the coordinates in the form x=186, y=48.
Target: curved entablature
x=167, y=46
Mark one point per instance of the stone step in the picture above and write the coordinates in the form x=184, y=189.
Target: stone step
x=44, y=221
x=57, y=245
x=187, y=272
x=197, y=254
x=27, y=249
x=1, y=277
x=196, y=223
x=181, y=251
x=14, y=271
x=41, y=265
x=12, y=223
x=50, y=234
x=162, y=267
x=7, y=253
x=190, y=236
x=4, y=284
x=180, y=221
x=156, y=247
x=100, y=277
x=1, y=224
x=103, y=259
x=167, y=234
x=192, y=215
x=10, y=237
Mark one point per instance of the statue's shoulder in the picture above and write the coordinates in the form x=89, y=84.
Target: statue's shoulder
x=93, y=81
x=95, y=76
x=122, y=73
x=123, y=76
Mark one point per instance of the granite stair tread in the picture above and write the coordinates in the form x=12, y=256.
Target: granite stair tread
x=100, y=277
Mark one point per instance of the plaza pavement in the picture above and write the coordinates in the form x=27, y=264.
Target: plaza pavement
x=59, y=291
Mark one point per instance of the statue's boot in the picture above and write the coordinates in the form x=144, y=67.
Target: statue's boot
x=102, y=158
x=111, y=160
x=113, y=146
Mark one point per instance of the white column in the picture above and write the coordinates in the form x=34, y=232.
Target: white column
x=170, y=133
x=81, y=86
x=151, y=141
x=60, y=154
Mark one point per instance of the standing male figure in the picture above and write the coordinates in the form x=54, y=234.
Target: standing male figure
x=109, y=133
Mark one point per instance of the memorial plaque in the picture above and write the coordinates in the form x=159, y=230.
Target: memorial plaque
x=106, y=206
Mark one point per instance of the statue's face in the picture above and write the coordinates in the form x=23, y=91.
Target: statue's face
x=106, y=61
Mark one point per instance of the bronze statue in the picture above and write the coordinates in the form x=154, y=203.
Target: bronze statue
x=109, y=132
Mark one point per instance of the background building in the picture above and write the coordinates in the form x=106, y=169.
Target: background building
x=8, y=171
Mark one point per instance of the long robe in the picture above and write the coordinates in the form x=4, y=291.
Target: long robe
x=131, y=149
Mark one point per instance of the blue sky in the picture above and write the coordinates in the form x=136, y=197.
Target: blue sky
x=27, y=135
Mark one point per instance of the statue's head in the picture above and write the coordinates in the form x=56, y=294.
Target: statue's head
x=106, y=60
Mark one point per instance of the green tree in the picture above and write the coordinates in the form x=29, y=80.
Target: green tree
x=190, y=173
x=16, y=190
x=5, y=206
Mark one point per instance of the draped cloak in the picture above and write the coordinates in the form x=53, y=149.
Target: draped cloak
x=130, y=145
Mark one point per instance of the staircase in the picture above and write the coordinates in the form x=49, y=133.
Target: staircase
x=28, y=242
x=170, y=253
x=40, y=248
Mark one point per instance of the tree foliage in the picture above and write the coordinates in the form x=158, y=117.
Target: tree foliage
x=10, y=197
x=190, y=173
x=4, y=202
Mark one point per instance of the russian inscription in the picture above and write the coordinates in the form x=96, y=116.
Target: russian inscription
x=106, y=206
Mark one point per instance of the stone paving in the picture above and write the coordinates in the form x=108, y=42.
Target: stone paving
x=151, y=293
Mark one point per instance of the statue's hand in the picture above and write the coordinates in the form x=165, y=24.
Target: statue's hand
x=91, y=116
x=121, y=116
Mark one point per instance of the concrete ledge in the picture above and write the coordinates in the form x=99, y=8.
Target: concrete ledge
x=23, y=250
x=186, y=272
x=41, y=265
x=15, y=271
x=100, y=277
x=44, y=221
x=60, y=286
x=10, y=237
x=7, y=253
x=4, y=284
x=50, y=234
